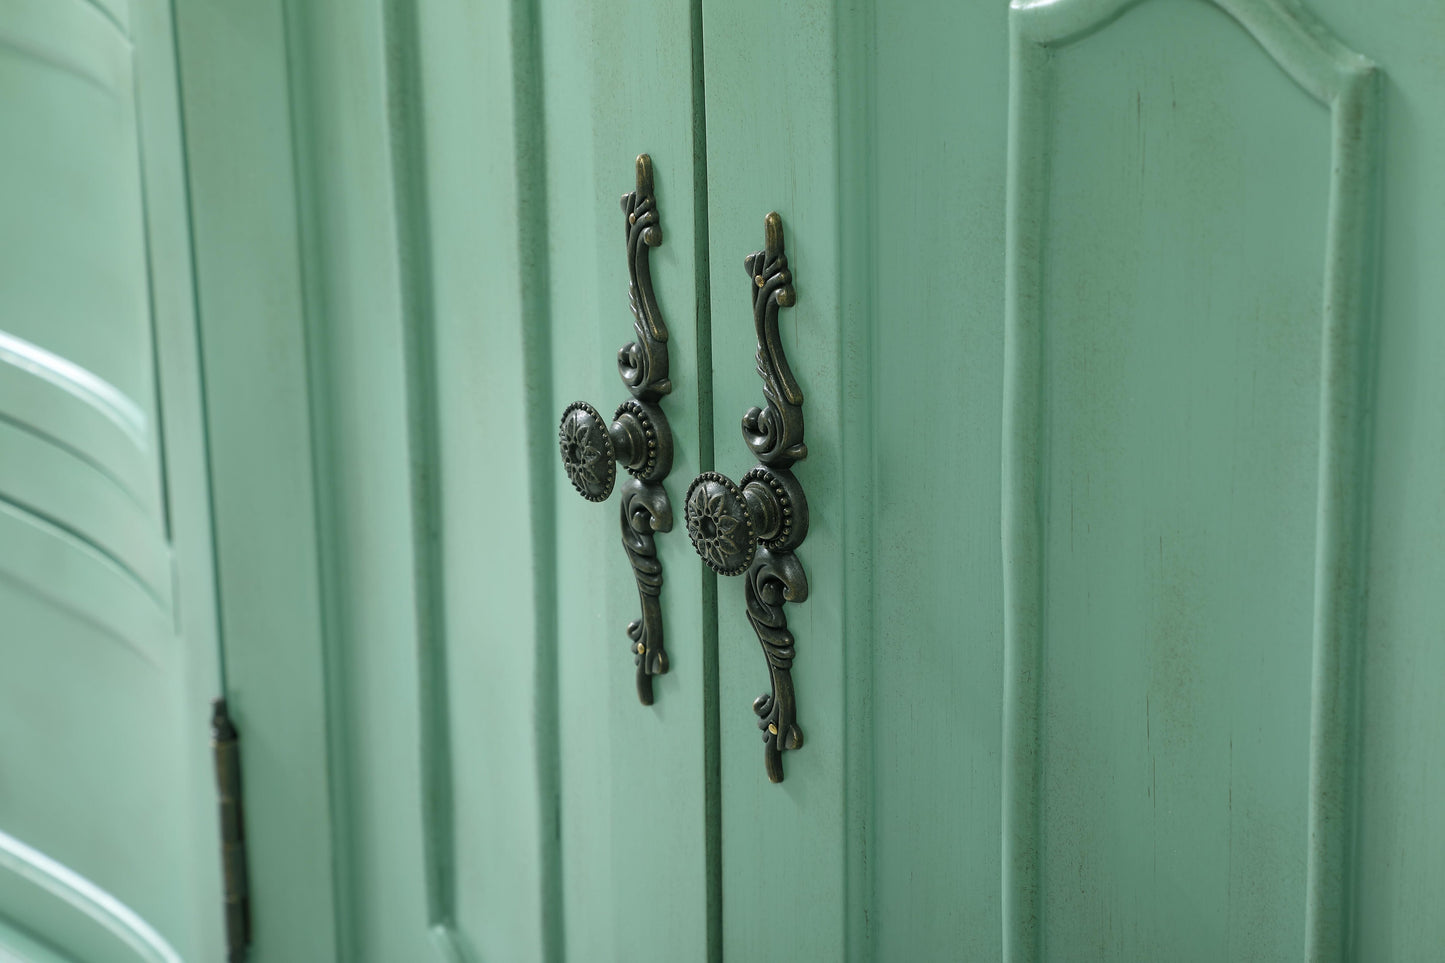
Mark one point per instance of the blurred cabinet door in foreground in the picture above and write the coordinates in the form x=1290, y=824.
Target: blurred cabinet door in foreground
x=108, y=845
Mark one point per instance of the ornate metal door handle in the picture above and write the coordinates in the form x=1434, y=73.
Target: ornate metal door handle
x=753, y=527
x=638, y=437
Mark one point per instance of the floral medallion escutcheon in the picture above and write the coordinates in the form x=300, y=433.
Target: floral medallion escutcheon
x=719, y=525
x=587, y=453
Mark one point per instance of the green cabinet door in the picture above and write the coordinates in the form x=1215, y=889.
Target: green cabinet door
x=496, y=789
x=1114, y=328
x=108, y=838
x=1111, y=323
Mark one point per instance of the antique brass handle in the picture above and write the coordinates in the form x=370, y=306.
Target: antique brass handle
x=638, y=436
x=753, y=527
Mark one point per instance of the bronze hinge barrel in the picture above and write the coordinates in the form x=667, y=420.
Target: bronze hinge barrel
x=226, y=748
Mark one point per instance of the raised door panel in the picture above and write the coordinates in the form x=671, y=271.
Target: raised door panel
x=107, y=850
x=1188, y=324
x=580, y=820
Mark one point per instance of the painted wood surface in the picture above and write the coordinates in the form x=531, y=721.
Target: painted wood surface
x=1165, y=763
x=1114, y=326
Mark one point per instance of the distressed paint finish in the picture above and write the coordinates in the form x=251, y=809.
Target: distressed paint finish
x=415, y=296
x=783, y=863
x=904, y=827
x=886, y=166
x=1224, y=827
x=940, y=97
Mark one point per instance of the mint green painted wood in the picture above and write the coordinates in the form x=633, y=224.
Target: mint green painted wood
x=486, y=280
x=17, y=945
x=883, y=840
x=91, y=923
x=500, y=726
x=496, y=790
x=462, y=256
x=108, y=813
x=355, y=330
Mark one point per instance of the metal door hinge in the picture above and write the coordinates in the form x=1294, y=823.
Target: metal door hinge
x=226, y=748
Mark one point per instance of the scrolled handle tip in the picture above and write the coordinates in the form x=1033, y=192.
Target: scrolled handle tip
x=773, y=233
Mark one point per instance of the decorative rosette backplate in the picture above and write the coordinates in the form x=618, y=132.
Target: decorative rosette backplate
x=638, y=437
x=753, y=527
